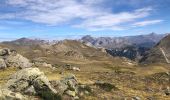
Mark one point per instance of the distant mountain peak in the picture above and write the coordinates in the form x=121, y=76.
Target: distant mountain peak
x=153, y=33
x=26, y=41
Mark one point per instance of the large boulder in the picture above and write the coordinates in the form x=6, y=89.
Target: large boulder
x=28, y=78
x=10, y=58
x=17, y=60
x=2, y=64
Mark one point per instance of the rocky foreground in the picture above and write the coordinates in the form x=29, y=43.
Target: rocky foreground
x=30, y=82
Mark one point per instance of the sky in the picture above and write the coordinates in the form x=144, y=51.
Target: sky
x=59, y=19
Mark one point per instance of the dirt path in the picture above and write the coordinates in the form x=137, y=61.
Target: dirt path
x=163, y=52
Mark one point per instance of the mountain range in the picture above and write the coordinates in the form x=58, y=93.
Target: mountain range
x=148, y=40
x=132, y=47
x=135, y=48
x=37, y=66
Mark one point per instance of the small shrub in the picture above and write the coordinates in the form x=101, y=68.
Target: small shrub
x=45, y=95
x=117, y=69
x=106, y=86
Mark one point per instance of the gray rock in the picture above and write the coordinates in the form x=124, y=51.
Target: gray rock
x=17, y=61
x=4, y=52
x=30, y=91
x=70, y=93
x=167, y=91
x=167, y=73
x=6, y=94
x=42, y=85
x=2, y=64
x=76, y=98
x=10, y=58
x=59, y=86
x=76, y=69
x=71, y=82
x=68, y=86
x=136, y=98
x=84, y=90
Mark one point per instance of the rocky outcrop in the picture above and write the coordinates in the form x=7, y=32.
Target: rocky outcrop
x=33, y=82
x=74, y=54
x=28, y=78
x=29, y=82
x=10, y=58
x=67, y=86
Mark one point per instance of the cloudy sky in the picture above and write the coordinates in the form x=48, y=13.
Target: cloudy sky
x=57, y=19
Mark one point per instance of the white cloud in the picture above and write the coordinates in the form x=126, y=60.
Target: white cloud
x=148, y=22
x=113, y=21
x=53, y=12
x=7, y=16
x=88, y=13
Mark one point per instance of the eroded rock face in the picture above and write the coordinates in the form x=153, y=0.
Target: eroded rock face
x=30, y=77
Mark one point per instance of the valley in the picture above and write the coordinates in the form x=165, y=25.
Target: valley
x=107, y=77
x=84, y=50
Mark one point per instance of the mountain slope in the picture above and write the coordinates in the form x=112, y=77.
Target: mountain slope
x=159, y=53
x=131, y=52
x=73, y=48
x=105, y=42
x=67, y=52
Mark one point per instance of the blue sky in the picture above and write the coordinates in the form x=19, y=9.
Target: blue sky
x=58, y=19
